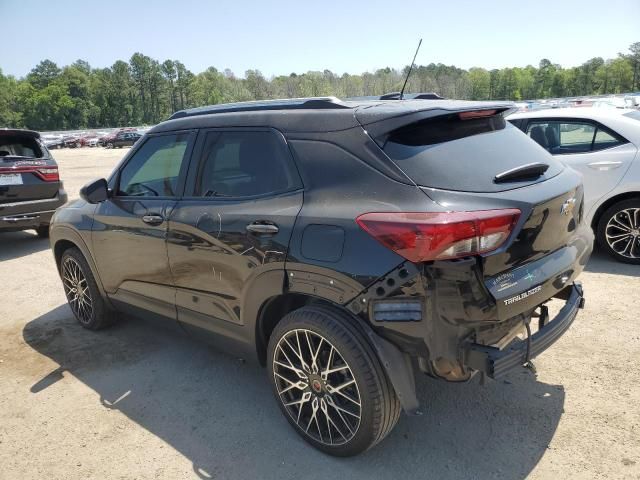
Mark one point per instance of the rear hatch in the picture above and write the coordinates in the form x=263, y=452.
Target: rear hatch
x=27, y=172
x=466, y=158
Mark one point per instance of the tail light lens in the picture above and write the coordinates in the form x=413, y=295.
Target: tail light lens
x=49, y=174
x=421, y=237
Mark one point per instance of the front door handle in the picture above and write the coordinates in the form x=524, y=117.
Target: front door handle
x=262, y=228
x=153, y=219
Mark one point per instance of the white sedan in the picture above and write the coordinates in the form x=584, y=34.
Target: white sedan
x=603, y=145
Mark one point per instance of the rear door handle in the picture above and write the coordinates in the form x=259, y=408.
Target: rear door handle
x=262, y=228
x=605, y=165
x=153, y=219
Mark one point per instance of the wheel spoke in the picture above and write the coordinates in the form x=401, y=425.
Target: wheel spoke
x=333, y=405
x=297, y=354
x=305, y=398
x=299, y=372
x=300, y=385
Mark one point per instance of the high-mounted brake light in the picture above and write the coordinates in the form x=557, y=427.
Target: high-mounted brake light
x=476, y=114
x=422, y=237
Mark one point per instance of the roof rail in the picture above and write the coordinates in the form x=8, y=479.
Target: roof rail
x=261, y=105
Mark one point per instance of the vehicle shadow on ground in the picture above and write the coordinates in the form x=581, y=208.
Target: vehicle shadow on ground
x=220, y=413
x=600, y=262
x=20, y=244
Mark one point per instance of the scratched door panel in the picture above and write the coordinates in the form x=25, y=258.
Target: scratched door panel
x=213, y=256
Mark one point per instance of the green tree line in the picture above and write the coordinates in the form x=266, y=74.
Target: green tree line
x=146, y=91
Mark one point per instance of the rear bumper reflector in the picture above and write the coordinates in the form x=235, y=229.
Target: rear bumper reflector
x=397, y=311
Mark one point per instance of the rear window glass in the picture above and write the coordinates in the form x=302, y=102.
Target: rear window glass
x=465, y=155
x=19, y=146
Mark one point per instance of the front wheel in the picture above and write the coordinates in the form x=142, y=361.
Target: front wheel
x=82, y=292
x=619, y=231
x=329, y=382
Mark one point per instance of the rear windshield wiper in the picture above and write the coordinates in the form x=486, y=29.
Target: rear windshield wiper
x=523, y=172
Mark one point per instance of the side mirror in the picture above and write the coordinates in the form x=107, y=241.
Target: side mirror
x=95, y=192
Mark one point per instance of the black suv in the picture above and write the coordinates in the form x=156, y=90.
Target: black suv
x=30, y=186
x=342, y=244
x=123, y=139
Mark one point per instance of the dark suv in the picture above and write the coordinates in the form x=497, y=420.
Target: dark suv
x=30, y=186
x=342, y=244
x=123, y=139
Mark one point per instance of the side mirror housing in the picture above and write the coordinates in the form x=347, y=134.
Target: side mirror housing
x=95, y=192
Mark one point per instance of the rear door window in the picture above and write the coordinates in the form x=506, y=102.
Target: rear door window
x=560, y=137
x=245, y=164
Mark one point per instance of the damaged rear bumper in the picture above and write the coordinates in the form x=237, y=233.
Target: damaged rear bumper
x=495, y=362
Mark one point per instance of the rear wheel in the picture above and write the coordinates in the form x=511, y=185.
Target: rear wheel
x=619, y=231
x=82, y=292
x=329, y=383
x=109, y=145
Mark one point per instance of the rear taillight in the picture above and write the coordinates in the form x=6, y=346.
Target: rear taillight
x=49, y=174
x=421, y=237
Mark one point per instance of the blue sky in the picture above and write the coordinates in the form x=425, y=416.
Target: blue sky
x=280, y=37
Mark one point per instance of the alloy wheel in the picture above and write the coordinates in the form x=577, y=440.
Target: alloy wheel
x=623, y=233
x=77, y=290
x=317, y=387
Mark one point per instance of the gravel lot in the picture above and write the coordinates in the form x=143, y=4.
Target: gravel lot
x=138, y=401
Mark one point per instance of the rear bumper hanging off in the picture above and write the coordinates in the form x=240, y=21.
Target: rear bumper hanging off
x=495, y=362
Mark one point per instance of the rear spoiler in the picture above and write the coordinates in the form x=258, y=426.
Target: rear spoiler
x=19, y=131
x=384, y=118
x=396, y=96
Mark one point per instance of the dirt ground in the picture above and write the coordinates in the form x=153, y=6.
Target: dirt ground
x=139, y=401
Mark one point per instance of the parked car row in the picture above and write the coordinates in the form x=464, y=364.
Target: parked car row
x=116, y=139
x=260, y=237
x=629, y=101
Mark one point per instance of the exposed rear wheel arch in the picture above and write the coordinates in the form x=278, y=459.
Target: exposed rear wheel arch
x=272, y=312
x=60, y=247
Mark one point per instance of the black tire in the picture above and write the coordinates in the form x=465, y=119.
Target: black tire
x=100, y=315
x=43, y=231
x=109, y=145
x=610, y=231
x=379, y=407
